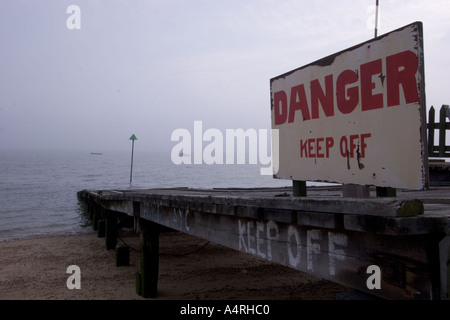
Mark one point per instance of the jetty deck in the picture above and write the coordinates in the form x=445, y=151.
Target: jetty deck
x=392, y=248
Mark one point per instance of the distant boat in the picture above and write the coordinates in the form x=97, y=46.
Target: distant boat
x=96, y=153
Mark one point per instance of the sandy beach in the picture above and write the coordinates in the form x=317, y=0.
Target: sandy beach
x=190, y=269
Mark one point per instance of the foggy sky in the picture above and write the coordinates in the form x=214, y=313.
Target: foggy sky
x=150, y=67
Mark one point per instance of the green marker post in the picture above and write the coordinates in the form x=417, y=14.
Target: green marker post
x=132, y=138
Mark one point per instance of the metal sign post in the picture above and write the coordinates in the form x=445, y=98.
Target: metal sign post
x=376, y=19
x=132, y=138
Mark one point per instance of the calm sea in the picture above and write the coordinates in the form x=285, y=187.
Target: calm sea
x=38, y=190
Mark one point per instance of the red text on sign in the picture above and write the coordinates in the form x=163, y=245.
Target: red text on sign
x=316, y=147
x=353, y=145
x=350, y=146
x=352, y=88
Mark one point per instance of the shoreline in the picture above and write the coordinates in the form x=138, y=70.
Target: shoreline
x=47, y=235
x=35, y=268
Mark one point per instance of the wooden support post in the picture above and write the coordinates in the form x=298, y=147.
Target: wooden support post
x=90, y=208
x=122, y=255
x=444, y=257
x=138, y=283
x=149, y=259
x=101, y=232
x=384, y=192
x=95, y=216
x=299, y=188
x=111, y=230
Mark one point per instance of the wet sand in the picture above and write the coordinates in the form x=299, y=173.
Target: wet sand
x=190, y=269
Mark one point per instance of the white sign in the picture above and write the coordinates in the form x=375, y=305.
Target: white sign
x=357, y=116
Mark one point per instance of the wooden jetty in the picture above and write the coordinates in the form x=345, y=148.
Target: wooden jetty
x=392, y=244
x=325, y=234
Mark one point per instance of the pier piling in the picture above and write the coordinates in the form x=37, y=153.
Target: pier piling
x=149, y=233
x=111, y=230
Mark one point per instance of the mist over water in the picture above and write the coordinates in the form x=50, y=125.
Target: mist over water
x=39, y=188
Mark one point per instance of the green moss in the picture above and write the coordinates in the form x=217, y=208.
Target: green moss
x=410, y=208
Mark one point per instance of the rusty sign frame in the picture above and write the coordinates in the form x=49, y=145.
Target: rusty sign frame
x=357, y=116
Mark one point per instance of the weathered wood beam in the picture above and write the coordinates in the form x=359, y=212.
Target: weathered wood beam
x=111, y=229
x=336, y=254
x=101, y=232
x=333, y=238
x=233, y=205
x=444, y=254
x=149, y=234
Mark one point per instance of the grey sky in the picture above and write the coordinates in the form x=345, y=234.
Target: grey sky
x=150, y=67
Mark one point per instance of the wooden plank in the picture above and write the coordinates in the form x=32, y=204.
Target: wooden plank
x=431, y=127
x=319, y=209
x=385, y=207
x=441, y=149
x=335, y=245
x=321, y=204
x=319, y=219
x=442, y=130
x=335, y=254
x=396, y=226
x=287, y=216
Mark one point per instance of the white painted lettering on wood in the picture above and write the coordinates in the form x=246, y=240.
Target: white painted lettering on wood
x=292, y=245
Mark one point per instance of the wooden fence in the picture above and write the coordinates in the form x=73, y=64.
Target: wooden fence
x=441, y=149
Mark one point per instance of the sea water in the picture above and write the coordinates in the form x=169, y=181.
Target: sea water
x=38, y=189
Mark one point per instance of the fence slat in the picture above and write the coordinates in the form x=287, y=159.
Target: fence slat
x=430, y=127
x=441, y=149
x=442, y=116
